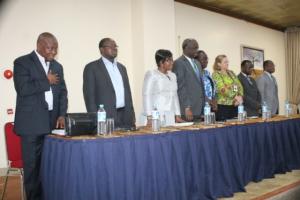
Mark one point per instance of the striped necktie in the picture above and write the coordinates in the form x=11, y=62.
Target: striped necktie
x=195, y=67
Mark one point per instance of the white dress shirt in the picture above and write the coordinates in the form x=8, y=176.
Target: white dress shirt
x=117, y=81
x=160, y=91
x=48, y=94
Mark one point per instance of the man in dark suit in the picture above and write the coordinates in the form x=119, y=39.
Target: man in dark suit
x=41, y=105
x=105, y=81
x=190, y=84
x=252, y=98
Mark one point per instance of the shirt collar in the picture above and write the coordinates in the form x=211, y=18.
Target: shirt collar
x=189, y=59
x=106, y=61
x=270, y=75
x=244, y=74
x=40, y=57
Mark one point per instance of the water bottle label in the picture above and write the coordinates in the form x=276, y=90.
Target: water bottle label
x=241, y=109
x=287, y=106
x=155, y=114
x=264, y=109
x=101, y=116
x=206, y=110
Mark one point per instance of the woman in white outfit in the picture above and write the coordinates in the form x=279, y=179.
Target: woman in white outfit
x=160, y=87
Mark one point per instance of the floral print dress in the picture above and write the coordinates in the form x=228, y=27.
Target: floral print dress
x=227, y=87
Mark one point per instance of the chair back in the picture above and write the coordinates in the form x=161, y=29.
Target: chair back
x=13, y=146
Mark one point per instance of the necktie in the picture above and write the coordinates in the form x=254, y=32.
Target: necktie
x=274, y=80
x=196, y=69
x=249, y=80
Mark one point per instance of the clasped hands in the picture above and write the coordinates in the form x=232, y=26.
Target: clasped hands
x=237, y=100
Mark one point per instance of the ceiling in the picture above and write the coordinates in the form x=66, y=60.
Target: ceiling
x=275, y=14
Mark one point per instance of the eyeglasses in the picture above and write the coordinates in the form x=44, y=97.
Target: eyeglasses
x=111, y=46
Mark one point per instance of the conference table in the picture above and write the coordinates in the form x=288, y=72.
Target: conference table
x=179, y=163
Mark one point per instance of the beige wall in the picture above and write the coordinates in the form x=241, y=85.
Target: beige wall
x=78, y=26
x=219, y=34
x=140, y=27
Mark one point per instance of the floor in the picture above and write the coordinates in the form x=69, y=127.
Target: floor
x=13, y=190
x=269, y=188
x=274, y=188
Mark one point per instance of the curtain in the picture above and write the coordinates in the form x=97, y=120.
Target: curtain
x=292, y=43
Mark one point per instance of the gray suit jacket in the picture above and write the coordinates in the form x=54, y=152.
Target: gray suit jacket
x=31, y=82
x=269, y=92
x=98, y=89
x=252, y=98
x=190, y=87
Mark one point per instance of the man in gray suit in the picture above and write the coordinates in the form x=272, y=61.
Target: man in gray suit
x=189, y=79
x=105, y=81
x=267, y=86
x=252, y=98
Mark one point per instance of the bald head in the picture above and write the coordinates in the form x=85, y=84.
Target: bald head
x=47, y=46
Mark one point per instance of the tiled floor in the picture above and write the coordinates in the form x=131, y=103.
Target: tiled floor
x=269, y=187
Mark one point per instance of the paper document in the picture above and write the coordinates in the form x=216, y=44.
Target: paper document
x=59, y=131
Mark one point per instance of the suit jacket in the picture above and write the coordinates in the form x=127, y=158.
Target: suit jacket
x=252, y=98
x=98, y=89
x=32, y=114
x=269, y=92
x=190, y=87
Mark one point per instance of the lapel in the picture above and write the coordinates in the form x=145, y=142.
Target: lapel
x=190, y=68
x=246, y=81
x=38, y=65
x=106, y=74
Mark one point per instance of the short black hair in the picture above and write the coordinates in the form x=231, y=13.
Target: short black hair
x=198, y=53
x=187, y=41
x=266, y=63
x=103, y=41
x=162, y=55
x=245, y=62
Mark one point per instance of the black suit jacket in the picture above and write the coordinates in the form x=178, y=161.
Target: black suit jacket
x=190, y=88
x=31, y=82
x=98, y=89
x=252, y=98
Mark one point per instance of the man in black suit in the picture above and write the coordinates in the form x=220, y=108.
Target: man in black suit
x=252, y=98
x=41, y=106
x=105, y=81
x=190, y=84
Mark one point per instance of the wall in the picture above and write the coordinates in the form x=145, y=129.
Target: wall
x=140, y=27
x=220, y=34
x=78, y=26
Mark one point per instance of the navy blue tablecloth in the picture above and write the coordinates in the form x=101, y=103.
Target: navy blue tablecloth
x=183, y=165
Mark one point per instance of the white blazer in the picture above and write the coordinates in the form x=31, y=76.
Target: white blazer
x=160, y=92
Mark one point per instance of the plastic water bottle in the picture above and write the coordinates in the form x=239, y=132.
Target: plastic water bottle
x=101, y=120
x=264, y=110
x=241, y=112
x=287, y=108
x=207, y=111
x=155, y=120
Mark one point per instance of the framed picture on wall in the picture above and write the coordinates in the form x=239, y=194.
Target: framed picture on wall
x=255, y=55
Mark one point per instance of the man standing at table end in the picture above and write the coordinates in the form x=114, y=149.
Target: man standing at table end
x=189, y=80
x=267, y=86
x=41, y=106
x=105, y=81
